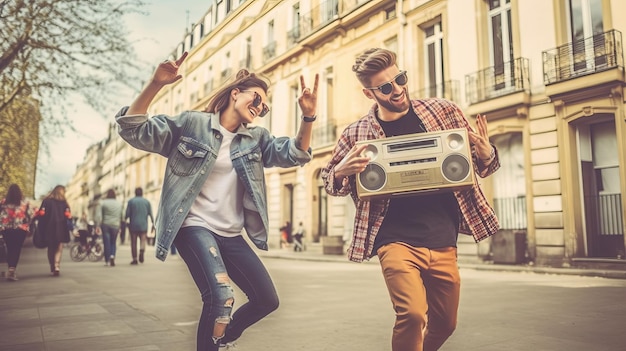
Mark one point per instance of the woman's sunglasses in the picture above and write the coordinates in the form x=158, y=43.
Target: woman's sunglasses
x=257, y=101
x=401, y=80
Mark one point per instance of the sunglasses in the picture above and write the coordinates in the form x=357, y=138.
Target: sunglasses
x=257, y=101
x=401, y=80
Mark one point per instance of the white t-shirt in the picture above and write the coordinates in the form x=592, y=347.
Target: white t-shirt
x=219, y=206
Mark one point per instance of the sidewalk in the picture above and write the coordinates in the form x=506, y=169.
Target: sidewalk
x=314, y=253
x=148, y=307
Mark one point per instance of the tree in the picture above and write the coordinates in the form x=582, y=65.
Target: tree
x=52, y=50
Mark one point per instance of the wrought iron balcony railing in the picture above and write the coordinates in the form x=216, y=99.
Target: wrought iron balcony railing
x=604, y=214
x=449, y=90
x=269, y=51
x=225, y=74
x=511, y=212
x=325, y=134
x=597, y=53
x=293, y=36
x=325, y=13
x=495, y=81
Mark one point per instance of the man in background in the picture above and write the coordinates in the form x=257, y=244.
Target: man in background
x=137, y=213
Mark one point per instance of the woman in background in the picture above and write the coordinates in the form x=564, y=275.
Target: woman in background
x=54, y=215
x=15, y=215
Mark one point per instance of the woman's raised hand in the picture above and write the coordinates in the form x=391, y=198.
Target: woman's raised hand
x=167, y=71
x=308, y=99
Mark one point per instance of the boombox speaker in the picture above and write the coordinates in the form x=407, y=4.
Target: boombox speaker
x=416, y=164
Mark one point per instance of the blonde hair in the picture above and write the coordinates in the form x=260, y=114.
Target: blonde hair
x=372, y=61
x=58, y=193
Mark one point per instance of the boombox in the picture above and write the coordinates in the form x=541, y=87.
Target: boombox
x=416, y=164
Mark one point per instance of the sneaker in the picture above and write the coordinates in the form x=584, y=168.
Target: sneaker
x=12, y=276
x=229, y=346
x=133, y=262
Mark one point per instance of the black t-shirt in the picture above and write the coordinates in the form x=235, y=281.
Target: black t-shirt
x=431, y=220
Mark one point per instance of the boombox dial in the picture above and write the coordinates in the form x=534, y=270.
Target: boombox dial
x=415, y=164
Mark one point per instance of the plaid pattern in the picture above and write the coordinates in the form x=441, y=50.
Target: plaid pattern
x=477, y=217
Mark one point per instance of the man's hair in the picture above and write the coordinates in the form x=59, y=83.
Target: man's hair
x=138, y=191
x=110, y=194
x=371, y=62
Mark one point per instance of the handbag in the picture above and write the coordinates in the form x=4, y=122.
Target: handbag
x=39, y=237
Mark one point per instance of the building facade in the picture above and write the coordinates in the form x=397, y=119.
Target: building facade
x=549, y=76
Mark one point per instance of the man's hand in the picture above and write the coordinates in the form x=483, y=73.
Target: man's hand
x=354, y=162
x=480, y=140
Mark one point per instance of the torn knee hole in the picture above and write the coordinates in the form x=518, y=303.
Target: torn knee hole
x=229, y=302
x=222, y=278
x=213, y=251
x=219, y=329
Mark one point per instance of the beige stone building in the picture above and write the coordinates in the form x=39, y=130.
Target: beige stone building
x=548, y=74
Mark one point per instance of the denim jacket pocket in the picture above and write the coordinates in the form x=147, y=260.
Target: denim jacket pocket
x=189, y=157
x=255, y=162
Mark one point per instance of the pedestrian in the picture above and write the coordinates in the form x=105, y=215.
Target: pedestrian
x=82, y=227
x=285, y=234
x=413, y=236
x=138, y=210
x=15, y=217
x=214, y=187
x=298, y=244
x=111, y=217
x=55, y=220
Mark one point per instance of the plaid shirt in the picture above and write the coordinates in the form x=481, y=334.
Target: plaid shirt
x=477, y=217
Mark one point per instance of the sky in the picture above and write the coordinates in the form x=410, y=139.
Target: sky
x=157, y=33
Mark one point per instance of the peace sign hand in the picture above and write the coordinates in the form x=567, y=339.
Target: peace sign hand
x=308, y=99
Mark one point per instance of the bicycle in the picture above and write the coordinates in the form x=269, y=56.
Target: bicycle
x=93, y=251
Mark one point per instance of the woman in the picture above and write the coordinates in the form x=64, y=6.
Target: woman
x=111, y=215
x=15, y=216
x=214, y=188
x=54, y=214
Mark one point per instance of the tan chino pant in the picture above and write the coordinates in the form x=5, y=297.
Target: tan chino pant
x=424, y=286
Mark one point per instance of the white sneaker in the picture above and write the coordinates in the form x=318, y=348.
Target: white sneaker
x=229, y=346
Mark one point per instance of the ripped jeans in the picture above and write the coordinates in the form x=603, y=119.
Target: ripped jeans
x=214, y=261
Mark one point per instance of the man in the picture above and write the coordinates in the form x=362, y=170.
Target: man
x=413, y=236
x=137, y=212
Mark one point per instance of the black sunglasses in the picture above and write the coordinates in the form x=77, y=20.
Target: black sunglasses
x=257, y=101
x=401, y=79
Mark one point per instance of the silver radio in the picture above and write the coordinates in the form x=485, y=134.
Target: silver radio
x=416, y=164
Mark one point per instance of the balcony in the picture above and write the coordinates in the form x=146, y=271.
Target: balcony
x=448, y=90
x=587, y=56
x=331, y=10
x=496, y=81
x=225, y=74
x=269, y=51
x=325, y=134
x=293, y=36
x=600, y=58
x=511, y=212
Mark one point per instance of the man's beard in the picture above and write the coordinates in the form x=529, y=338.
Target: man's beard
x=394, y=107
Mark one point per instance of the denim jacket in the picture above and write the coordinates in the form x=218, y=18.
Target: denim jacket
x=190, y=142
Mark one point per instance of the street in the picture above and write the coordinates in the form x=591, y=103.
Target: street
x=325, y=306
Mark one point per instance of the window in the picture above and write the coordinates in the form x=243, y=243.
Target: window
x=586, y=33
x=434, y=76
x=501, y=42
